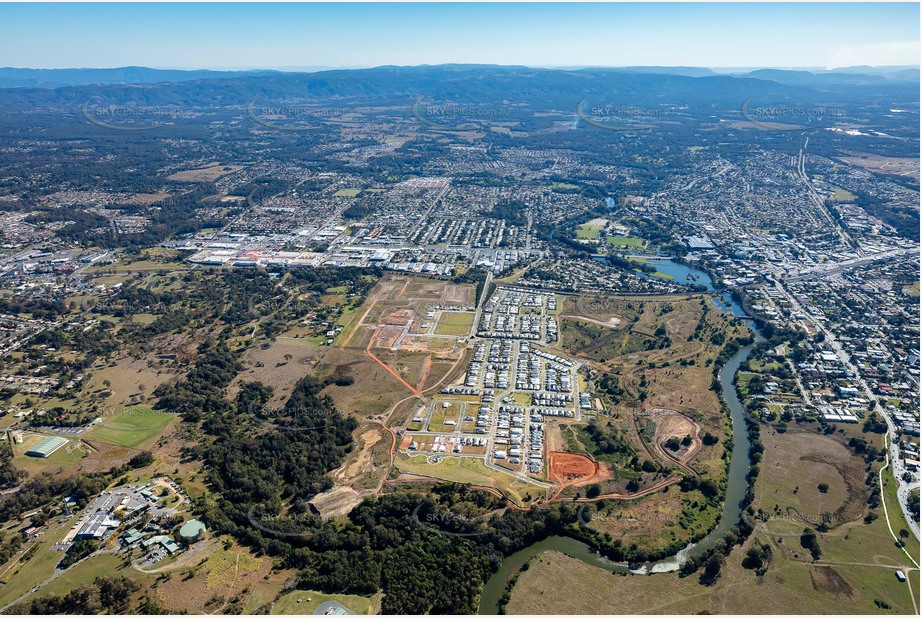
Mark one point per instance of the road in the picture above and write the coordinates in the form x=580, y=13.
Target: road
x=898, y=466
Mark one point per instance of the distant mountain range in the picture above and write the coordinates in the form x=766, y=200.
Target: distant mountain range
x=58, y=78
x=699, y=89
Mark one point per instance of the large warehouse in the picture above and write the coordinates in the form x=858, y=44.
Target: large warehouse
x=47, y=446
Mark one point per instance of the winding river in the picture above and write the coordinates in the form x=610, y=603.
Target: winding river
x=736, y=481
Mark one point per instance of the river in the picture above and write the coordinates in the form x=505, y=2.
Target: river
x=736, y=480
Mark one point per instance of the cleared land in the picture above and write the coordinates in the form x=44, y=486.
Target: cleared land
x=205, y=174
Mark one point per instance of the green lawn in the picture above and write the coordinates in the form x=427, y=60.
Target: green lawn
x=133, y=427
x=626, y=241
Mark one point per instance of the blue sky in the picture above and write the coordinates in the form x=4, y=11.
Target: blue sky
x=236, y=36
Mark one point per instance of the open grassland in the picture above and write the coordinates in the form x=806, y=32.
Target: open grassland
x=794, y=466
x=216, y=584
x=306, y=601
x=126, y=379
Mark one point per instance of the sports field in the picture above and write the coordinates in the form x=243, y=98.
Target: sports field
x=133, y=427
x=626, y=241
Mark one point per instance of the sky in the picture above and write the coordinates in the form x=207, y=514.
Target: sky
x=349, y=35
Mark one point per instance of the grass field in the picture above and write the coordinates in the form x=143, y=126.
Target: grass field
x=587, y=231
x=346, y=192
x=310, y=600
x=133, y=427
x=840, y=195
x=626, y=241
x=454, y=323
x=138, y=266
x=205, y=174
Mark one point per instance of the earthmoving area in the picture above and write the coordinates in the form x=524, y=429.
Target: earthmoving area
x=573, y=469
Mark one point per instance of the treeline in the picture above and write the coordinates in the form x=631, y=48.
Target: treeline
x=473, y=275
x=9, y=475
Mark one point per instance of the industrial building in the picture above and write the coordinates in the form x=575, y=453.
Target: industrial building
x=47, y=446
